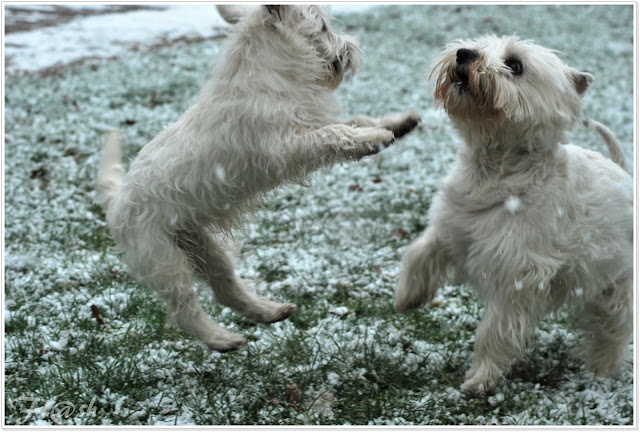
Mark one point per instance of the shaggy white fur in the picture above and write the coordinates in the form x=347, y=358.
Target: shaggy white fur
x=528, y=222
x=266, y=117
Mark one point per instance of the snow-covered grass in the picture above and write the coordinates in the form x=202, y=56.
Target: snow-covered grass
x=333, y=248
x=107, y=34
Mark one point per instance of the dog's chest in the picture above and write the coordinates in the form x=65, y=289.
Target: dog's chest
x=489, y=231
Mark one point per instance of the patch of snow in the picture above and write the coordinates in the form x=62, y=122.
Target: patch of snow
x=512, y=203
x=323, y=240
x=220, y=172
x=115, y=34
x=340, y=311
x=108, y=35
x=60, y=344
x=333, y=378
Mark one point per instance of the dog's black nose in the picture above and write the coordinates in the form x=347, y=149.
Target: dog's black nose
x=465, y=55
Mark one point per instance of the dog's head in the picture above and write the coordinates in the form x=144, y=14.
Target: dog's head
x=508, y=80
x=298, y=39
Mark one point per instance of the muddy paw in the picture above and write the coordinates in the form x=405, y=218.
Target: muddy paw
x=402, y=124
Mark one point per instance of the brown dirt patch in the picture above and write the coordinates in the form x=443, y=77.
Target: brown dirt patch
x=18, y=19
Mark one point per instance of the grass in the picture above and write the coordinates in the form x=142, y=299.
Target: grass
x=333, y=248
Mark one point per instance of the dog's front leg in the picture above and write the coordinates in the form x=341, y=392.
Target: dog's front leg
x=334, y=144
x=400, y=124
x=423, y=269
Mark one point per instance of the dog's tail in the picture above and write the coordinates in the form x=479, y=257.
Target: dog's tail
x=615, y=149
x=110, y=171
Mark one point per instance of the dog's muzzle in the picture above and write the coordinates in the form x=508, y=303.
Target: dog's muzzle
x=336, y=71
x=465, y=56
x=351, y=55
x=346, y=58
x=336, y=65
x=464, y=59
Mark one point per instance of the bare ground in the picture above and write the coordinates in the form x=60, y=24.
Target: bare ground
x=19, y=19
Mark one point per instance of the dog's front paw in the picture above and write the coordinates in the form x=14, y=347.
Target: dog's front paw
x=368, y=141
x=410, y=293
x=350, y=142
x=401, y=124
x=419, y=274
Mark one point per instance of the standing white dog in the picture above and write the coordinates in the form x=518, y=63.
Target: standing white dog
x=528, y=222
x=265, y=118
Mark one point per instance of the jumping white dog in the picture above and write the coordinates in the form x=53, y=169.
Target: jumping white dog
x=528, y=222
x=265, y=118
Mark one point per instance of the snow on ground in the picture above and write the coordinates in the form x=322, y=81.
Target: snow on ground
x=114, y=34
x=333, y=248
x=107, y=35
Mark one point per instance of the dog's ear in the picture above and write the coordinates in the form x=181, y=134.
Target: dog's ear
x=275, y=10
x=582, y=81
x=231, y=14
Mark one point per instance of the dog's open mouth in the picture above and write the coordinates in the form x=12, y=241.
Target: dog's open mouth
x=461, y=78
x=336, y=69
x=336, y=65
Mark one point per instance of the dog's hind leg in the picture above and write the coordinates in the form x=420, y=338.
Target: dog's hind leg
x=212, y=263
x=166, y=268
x=607, y=324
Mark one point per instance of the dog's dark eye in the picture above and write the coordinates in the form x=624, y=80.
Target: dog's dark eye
x=324, y=28
x=515, y=65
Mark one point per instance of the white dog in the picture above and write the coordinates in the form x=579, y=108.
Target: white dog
x=528, y=222
x=266, y=117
